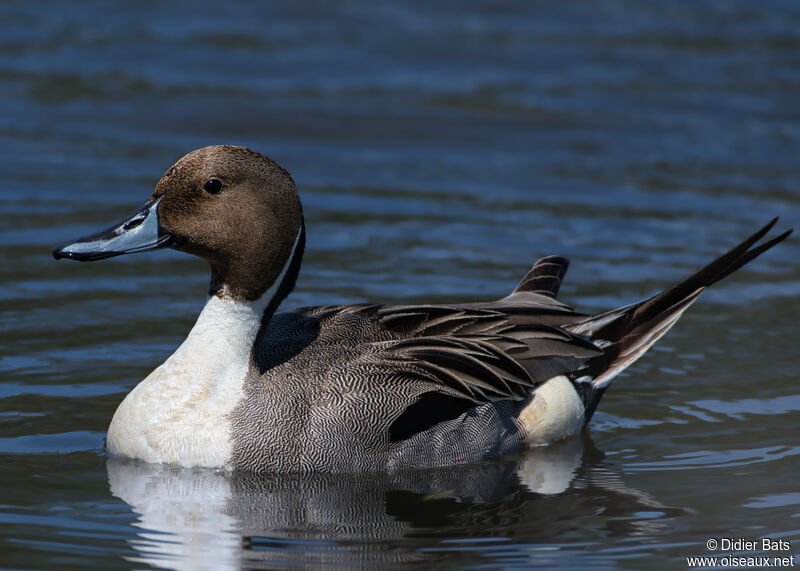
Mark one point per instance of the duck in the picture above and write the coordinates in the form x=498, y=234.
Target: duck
x=359, y=387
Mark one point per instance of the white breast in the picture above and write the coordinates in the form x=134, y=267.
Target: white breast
x=178, y=413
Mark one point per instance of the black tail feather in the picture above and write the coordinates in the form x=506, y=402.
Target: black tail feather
x=545, y=276
x=627, y=333
x=717, y=270
x=619, y=323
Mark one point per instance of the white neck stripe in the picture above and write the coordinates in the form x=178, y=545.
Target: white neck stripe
x=272, y=291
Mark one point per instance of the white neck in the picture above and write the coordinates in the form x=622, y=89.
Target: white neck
x=226, y=330
x=179, y=413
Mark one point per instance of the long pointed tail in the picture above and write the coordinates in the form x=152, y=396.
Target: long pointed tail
x=627, y=333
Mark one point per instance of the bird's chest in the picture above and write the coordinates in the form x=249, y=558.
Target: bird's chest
x=180, y=413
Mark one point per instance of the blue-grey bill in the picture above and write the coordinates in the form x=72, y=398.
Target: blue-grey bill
x=139, y=232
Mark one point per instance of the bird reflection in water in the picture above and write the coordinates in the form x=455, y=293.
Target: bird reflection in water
x=211, y=519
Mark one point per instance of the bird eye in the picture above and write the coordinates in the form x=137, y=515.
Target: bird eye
x=213, y=186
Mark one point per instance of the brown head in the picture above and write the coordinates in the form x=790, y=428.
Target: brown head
x=232, y=206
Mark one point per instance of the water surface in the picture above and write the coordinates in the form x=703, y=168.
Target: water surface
x=439, y=150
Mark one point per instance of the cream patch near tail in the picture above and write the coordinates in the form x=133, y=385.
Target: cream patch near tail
x=555, y=412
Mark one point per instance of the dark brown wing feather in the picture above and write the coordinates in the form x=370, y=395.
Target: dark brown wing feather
x=477, y=354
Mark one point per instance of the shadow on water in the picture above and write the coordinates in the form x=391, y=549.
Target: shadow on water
x=210, y=519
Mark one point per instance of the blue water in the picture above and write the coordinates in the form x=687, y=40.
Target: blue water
x=439, y=150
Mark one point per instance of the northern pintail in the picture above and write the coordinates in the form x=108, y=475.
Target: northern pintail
x=356, y=387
